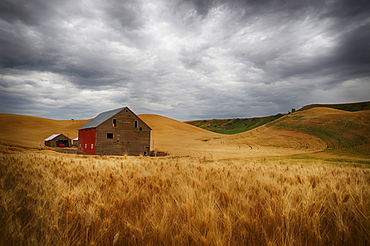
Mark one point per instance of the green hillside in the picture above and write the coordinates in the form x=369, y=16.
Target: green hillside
x=352, y=107
x=343, y=131
x=234, y=126
x=238, y=125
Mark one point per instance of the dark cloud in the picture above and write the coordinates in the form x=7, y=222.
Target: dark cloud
x=354, y=48
x=183, y=59
x=348, y=9
x=29, y=12
x=128, y=14
x=202, y=7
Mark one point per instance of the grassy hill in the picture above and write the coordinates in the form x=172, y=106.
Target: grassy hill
x=302, y=132
x=171, y=136
x=233, y=126
x=181, y=139
x=341, y=130
x=352, y=107
x=238, y=125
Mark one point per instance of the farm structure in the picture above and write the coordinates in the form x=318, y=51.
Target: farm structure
x=57, y=140
x=115, y=132
x=75, y=142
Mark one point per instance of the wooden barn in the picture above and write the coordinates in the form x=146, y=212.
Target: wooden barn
x=115, y=132
x=57, y=140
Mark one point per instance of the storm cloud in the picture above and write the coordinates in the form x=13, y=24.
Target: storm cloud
x=181, y=59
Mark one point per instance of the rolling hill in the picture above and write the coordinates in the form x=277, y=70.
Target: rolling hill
x=233, y=126
x=171, y=136
x=181, y=139
x=238, y=125
x=352, y=107
x=28, y=131
x=342, y=131
x=303, y=132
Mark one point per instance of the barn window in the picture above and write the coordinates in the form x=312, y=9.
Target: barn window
x=109, y=135
x=92, y=146
x=140, y=128
x=85, y=146
x=136, y=124
x=114, y=122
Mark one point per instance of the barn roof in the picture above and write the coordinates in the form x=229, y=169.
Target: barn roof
x=100, y=118
x=52, y=137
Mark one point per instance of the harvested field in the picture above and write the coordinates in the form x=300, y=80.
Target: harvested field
x=181, y=139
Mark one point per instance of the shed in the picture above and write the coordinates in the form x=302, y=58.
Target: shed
x=116, y=132
x=58, y=140
x=75, y=142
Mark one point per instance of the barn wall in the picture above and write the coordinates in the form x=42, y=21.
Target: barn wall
x=87, y=141
x=128, y=137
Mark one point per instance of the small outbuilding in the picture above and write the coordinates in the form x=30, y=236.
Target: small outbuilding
x=115, y=132
x=75, y=142
x=58, y=140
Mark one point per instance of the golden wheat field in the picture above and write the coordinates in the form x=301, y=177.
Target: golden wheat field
x=57, y=199
x=269, y=186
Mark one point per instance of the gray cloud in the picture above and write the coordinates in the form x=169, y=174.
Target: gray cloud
x=182, y=59
x=30, y=13
x=353, y=49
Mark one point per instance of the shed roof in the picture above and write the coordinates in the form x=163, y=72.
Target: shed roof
x=52, y=137
x=100, y=118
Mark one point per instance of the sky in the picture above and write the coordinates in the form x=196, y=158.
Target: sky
x=183, y=59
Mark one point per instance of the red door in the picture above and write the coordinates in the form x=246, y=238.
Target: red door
x=87, y=140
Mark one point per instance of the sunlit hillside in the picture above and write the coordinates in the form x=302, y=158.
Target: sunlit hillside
x=173, y=137
x=352, y=107
x=181, y=139
x=233, y=126
x=302, y=132
x=30, y=131
x=342, y=131
x=238, y=125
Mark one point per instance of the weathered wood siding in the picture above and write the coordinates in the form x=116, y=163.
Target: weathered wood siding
x=120, y=135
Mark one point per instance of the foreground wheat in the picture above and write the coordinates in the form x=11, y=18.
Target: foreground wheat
x=55, y=199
